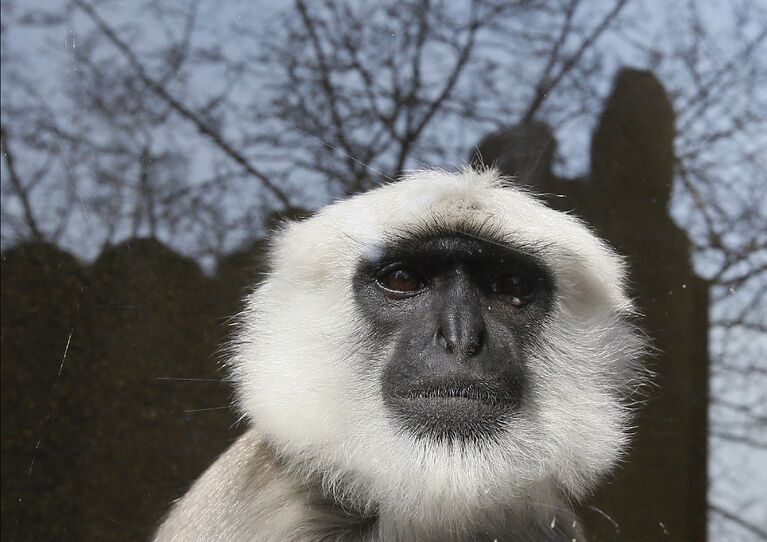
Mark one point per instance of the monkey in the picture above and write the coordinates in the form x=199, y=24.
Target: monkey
x=440, y=358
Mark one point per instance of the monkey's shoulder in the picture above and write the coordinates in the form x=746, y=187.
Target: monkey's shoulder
x=246, y=494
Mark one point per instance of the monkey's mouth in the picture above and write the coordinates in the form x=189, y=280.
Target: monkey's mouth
x=452, y=411
x=460, y=394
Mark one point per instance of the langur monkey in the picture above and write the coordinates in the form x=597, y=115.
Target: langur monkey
x=442, y=358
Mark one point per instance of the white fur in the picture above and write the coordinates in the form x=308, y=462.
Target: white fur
x=307, y=380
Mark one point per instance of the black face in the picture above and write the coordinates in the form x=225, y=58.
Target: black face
x=462, y=312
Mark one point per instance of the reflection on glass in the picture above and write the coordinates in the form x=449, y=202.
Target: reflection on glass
x=147, y=149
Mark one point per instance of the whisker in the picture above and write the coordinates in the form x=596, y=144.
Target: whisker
x=180, y=379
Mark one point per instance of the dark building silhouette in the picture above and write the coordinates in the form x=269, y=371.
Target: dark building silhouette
x=659, y=493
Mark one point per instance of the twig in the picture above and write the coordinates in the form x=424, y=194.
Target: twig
x=761, y=533
x=21, y=192
x=180, y=108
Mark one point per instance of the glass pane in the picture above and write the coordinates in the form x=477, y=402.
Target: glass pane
x=150, y=150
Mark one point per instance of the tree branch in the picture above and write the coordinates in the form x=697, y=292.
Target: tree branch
x=18, y=186
x=412, y=135
x=180, y=108
x=324, y=73
x=545, y=85
x=750, y=527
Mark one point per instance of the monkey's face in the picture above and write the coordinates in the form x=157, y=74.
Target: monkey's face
x=462, y=313
x=442, y=337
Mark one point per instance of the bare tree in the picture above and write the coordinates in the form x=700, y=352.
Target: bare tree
x=379, y=87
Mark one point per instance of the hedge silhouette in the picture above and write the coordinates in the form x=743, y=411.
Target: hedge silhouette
x=126, y=433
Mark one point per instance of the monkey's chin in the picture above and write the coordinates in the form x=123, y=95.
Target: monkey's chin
x=450, y=419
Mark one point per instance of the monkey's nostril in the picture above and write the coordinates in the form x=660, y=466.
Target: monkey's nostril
x=473, y=345
x=444, y=342
x=467, y=347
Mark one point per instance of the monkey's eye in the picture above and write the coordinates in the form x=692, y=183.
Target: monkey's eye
x=400, y=280
x=515, y=285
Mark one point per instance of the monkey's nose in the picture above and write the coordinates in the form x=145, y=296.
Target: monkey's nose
x=461, y=336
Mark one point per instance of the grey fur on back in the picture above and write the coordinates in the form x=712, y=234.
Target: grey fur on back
x=245, y=495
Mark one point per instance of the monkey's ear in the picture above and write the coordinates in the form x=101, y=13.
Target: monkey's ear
x=279, y=218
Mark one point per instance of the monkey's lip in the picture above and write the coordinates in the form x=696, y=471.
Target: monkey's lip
x=455, y=394
x=450, y=413
x=452, y=410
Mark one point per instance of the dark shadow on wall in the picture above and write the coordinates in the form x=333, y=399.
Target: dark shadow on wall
x=659, y=493
x=112, y=403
